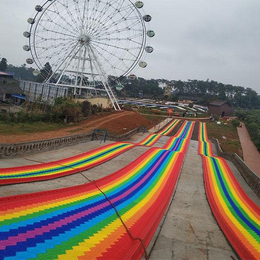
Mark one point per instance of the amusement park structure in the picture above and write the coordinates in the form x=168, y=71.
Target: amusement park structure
x=87, y=46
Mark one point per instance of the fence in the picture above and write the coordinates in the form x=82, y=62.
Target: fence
x=42, y=92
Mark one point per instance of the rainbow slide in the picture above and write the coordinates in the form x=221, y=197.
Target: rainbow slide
x=63, y=167
x=81, y=222
x=237, y=215
x=151, y=139
x=169, y=128
x=81, y=162
x=181, y=140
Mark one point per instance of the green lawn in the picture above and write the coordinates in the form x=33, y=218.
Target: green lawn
x=227, y=136
x=26, y=128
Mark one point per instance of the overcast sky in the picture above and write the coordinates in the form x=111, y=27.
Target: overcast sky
x=195, y=39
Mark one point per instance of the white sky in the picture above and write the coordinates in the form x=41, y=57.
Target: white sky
x=195, y=39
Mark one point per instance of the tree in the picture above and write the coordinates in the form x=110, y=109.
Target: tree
x=86, y=108
x=22, y=72
x=221, y=92
x=3, y=64
x=70, y=110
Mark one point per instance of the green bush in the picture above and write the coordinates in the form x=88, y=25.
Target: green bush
x=216, y=117
x=252, y=122
x=86, y=108
x=62, y=110
x=94, y=109
x=253, y=130
x=235, y=122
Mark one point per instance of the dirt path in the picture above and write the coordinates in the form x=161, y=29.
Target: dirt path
x=104, y=121
x=250, y=153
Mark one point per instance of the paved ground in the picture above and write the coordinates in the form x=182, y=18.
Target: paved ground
x=250, y=153
x=189, y=230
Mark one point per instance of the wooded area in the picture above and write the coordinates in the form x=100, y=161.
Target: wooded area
x=200, y=91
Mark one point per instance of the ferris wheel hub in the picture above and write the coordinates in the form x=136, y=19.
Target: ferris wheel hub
x=84, y=39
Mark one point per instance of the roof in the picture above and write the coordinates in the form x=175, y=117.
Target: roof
x=10, y=89
x=18, y=96
x=218, y=103
x=2, y=73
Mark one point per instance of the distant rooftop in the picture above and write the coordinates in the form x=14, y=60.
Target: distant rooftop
x=218, y=103
x=2, y=73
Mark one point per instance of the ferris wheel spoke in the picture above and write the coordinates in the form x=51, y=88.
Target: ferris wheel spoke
x=87, y=10
x=63, y=62
x=110, y=47
x=59, y=25
x=112, y=65
x=65, y=22
x=84, y=14
x=118, y=5
x=44, y=29
x=131, y=60
x=40, y=41
x=126, y=65
x=124, y=13
x=93, y=15
x=44, y=52
x=118, y=35
x=52, y=51
x=105, y=50
x=66, y=7
x=127, y=50
x=112, y=24
x=65, y=48
x=80, y=14
x=134, y=24
x=133, y=41
x=115, y=46
x=113, y=13
x=103, y=11
x=124, y=29
x=76, y=6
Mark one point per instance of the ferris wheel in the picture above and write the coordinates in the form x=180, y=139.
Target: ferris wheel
x=83, y=43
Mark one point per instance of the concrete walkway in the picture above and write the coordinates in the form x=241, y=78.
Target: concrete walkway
x=250, y=153
x=190, y=230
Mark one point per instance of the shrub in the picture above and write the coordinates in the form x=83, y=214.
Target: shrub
x=253, y=130
x=235, y=122
x=94, y=109
x=86, y=108
x=127, y=107
x=216, y=117
x=250, y=119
